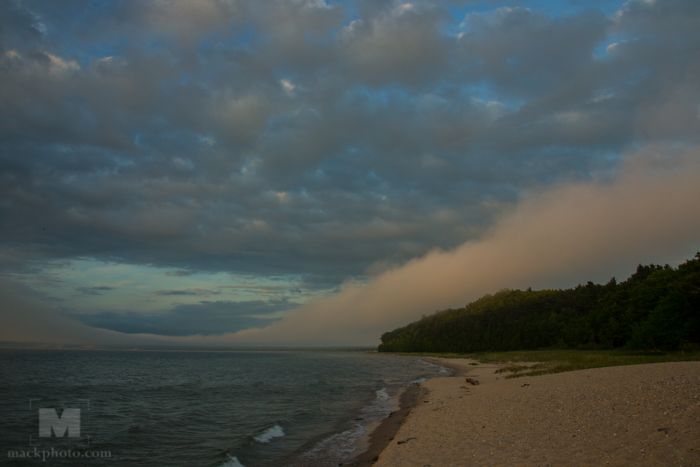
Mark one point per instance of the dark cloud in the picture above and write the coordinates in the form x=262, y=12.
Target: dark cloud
x=402, y=45
x=524, y=54
x=27, y=321
x=179, y=273
x=204, y=318
x=186, y=292
x=311, y=139
x=18, y=26
x=94, y=290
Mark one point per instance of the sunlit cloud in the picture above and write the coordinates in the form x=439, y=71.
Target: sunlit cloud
x=555, y=238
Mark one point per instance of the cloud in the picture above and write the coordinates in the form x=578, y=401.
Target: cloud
x=196, y=291
x=316, y=142
x=380, y=150
x=179, y=273
x=204, y=318
x=525, y=53
x=402, y=45
x=554, y=238
x=187, y=21
x=93, y=290
x=30, y=321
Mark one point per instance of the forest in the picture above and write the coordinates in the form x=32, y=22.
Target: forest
x=657, y=308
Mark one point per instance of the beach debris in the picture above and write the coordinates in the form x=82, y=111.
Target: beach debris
x=472, y=381
x=405, y=440
x=526, y=384
x=665, y=430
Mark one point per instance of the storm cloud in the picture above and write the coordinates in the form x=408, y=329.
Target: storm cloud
x=204, y=318
x=312, y=142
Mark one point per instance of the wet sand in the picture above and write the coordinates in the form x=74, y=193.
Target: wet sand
x=630, y=415
x=386, y=431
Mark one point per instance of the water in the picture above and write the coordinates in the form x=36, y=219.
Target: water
x=217, y=409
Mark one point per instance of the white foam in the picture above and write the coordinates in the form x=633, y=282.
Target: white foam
x=441, y=368
x=337, y=447
x=270, y=433
x=417, y=381
x=382, y=395
x=428, y=363
x=232, y=462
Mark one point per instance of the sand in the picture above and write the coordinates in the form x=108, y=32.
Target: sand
x=629, y=415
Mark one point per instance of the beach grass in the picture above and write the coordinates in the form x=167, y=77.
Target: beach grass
x=543, y=362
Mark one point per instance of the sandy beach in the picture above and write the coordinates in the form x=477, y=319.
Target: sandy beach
x=629, y=415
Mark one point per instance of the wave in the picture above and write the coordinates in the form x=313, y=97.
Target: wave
x=334, y=448
x=232, y=462
x=382, y=395
x=440, y=368
x=339, y=446
x=273, y=432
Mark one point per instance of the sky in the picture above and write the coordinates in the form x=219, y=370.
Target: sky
x=309, y=172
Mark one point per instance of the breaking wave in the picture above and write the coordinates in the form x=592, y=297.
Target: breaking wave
x=265, y=437
x=232, y=462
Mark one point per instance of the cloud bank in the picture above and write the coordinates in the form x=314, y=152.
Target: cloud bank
x=558, y=237
x=555, y=238
x=25, y=321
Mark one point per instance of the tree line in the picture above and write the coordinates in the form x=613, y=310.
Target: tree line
x=657, y=308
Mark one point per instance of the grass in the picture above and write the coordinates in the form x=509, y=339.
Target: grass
x=558, y=361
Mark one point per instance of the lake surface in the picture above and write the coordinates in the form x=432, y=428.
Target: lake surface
x=218, y=409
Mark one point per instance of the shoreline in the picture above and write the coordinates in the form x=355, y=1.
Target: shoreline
x=457, y=369
x=385, y=432
x=380, y=437
x=627, y=415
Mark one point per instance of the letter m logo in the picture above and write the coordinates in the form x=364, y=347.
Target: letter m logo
x=68, y=422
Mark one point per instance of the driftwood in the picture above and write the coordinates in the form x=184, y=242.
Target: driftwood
x=472, y=381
